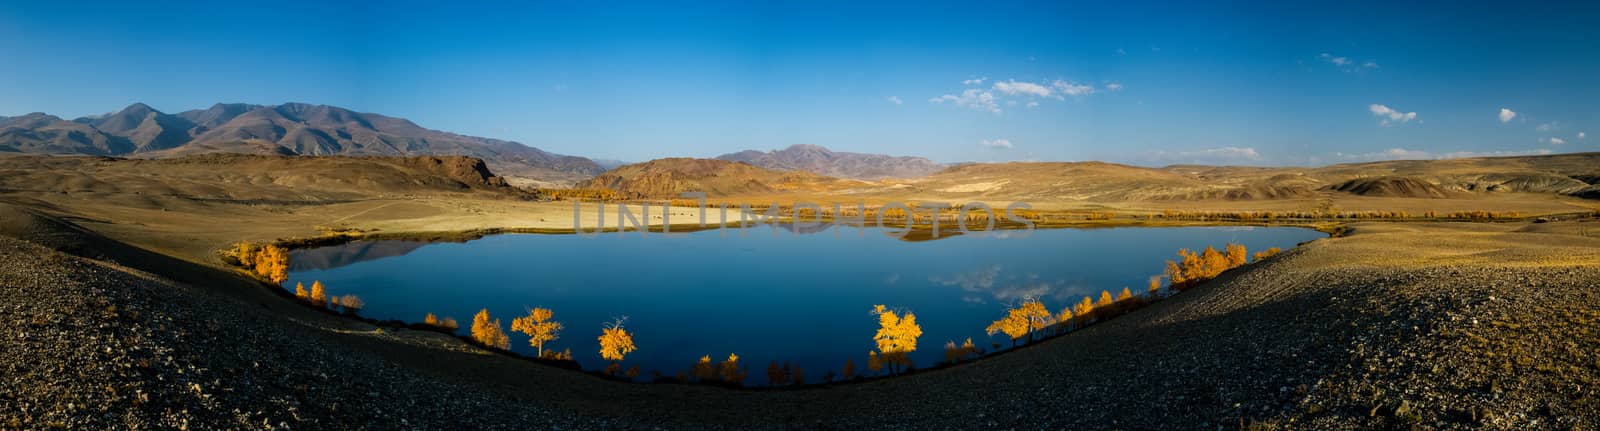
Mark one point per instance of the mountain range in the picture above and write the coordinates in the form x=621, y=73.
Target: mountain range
x=140, y=131
x=821, y=161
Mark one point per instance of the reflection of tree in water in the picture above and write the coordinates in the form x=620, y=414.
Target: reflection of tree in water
x=991, y=283
x=349, y=253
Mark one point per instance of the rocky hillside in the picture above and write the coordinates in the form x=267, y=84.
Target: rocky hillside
x=287, y=129
x=666, y=178
x=821, y=161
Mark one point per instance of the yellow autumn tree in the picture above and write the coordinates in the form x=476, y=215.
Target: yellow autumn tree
x=245, y=253
x=1105, y=299
x=488, y=331
x=896, y=337
x=874, y=363
x=449, y=323
x=729, y=370
x=1083, y=309
x=615, y=341
x=1125, y=295
x=430, y=320
x=1266, y=254
x=300, y=292
x=1014, y=325
x=319, y=294
x=1236, y=255
x=539, y=327
x=1064, y=318
x=1215, y=262
x=272, y=264
x=701, y=370
x=1155, y=285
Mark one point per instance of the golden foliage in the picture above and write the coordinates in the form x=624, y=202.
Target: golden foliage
x=896, y=337
x=874, y=363
x=300, y=292
x=729, y=370
x=539, y=327
x=319, y=294
x=1266, y=254
x=849, y=371
x=488, y=332
x=615, y=341
x=449, y=323
x=1236, y=255
x=1105, y=300
x=1155, y=285
x=1083, y=309
x=431, y=320
x=702, y=369
x=244, y=253
x=633, y=372
x=1125, y=295
x=954, y=353
x=271, y=263
x=1026, y=319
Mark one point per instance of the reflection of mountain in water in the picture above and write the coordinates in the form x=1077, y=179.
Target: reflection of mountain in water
x=341, y=255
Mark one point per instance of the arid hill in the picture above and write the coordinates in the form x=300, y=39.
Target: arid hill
x=821, y=161
x=666, y=178
x=287, y=129
x=1565, y=174
x=238, y=177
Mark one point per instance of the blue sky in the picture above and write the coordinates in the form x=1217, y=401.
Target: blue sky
x=1151, y=83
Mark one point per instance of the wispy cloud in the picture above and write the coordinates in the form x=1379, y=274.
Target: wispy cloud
x=1114, y=87
x=998, y=144
x=975, y=81
x=1015, y=88
x=981, y=100
x=1207, y=156
x=895, y=100
x=1553, y=125
x=1406, y=154
x=1347, y=64
x=1390, y=115
x=1071, y=88
x=1506, y=115
x=1582, y=135
x=1553, y=141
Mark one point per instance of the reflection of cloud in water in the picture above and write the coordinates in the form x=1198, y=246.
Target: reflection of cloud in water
x=994, y=286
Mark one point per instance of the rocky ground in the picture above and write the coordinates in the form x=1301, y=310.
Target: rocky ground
x=1429, y=326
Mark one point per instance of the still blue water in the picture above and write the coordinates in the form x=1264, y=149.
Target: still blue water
x=763, y=294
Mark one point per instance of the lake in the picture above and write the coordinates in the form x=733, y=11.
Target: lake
x=762, y=293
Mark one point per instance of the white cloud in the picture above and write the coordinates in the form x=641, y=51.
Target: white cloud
x=1548, y=126
x=1557, y=141
x=1114, y=87
x=981, y=100
x=1015, y=88
x=1348, y=64
x=1405, y=154
x=1339, y=61
x=895, y=100
x=974, y=81
x=998, y=144
x=1506, y=115
x=1072, y=89
x=1391, y=115
x=1208, y=156
x=1032, y=104
x=1582, y=135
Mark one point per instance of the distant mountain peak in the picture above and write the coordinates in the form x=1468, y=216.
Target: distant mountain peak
x=287, y=129
x=820, y=160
